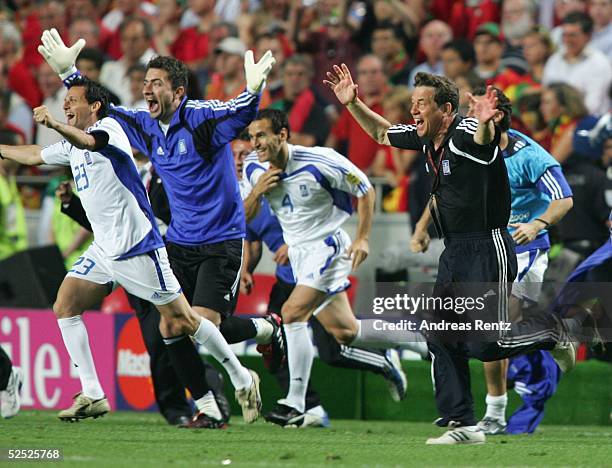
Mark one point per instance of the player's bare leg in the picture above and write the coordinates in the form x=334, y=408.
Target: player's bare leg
x=178, y=318
x=74, y=297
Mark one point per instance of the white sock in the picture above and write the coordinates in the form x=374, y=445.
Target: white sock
x=371, y=333
x=496, y=407
x=208, y=405
x=76, y=341
x=211, y=338
x=264, y=330
x=300, y=354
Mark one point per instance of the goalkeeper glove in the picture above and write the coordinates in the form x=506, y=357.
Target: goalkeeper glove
x=256, y=73
x=61, y=58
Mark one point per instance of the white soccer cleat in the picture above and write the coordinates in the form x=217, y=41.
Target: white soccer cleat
x=564, y=354
x=395, y=376
x=250, y=399
x=460, y=435
x=492, y=426
x=315, y=417
x=10, y=400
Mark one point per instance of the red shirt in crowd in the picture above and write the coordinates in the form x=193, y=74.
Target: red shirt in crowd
x=190, y=46
x=361, y=147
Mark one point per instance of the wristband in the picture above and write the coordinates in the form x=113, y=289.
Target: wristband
x=546, y=223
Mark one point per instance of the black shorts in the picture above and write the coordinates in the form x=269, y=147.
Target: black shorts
x=209, y=274
x=278, y=295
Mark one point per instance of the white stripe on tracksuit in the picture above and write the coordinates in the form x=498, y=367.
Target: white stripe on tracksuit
x=514, y=341
x=364, y=356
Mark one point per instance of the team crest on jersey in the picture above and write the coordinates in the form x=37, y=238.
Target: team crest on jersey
x=446, y=167
x=182, y=146
x=160, y=151
x=304, y=191
x=88, y=160
x=352, y=179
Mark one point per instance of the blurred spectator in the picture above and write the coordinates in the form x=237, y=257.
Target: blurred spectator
x=167, y=25
x=89, y=62
x=489, y=47
x=347, y=136
x=387, y=45
x=5, y=125
x=20, y=78
x=85, y=28
x=52, y=14
x=518, y=19
x=393, y=163
x=407, y=16
x=191, y=46
x=466, y=17
x=562, y=107
x=307, y=120
x=263, y=43
x=601, y=14
x=136, y=75
x=562, y=9
x=584, y=228
x=82, y=9
x=46, y=14
x=271, y=16
x=13, y=228
x=434, y=35
x=331, y=43
x=229, y=81
x=113, y=20
x=537, y=48
x=136, y=36
x=458, y=58
x=467, y=84
x=54, y=92
x=16, y=112
x=581, y=66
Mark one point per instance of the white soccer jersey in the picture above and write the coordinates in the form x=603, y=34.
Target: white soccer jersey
x=111, y=191
x=314, y=197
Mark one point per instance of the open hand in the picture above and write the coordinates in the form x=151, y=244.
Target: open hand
x=57, y=55
x=484, y=108
x=341, y=83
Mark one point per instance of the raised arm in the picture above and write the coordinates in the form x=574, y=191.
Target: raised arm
x=28, y=154
x=73, y=135
x=484, y=110
x=341, y=83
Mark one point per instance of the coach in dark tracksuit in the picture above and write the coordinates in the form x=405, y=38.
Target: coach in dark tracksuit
x=470, y=207
x=169, y=391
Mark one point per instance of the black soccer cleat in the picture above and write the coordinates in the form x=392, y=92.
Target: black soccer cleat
x=274, y=352
x=203, y=421
x=285, y=416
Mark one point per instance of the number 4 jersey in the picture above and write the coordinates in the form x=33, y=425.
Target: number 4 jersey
x=111, y=191
x=314, y=197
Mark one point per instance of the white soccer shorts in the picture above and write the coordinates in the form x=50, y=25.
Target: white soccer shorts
x=147, y=276
x=531, y=268
x=323, y=265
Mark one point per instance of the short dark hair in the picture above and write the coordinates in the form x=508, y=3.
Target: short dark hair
x=503, y=104
x=583, y=19
x=177, y=70
x=464, y=49
x=444, y=89
x=94, y=55
x=278, y=118
x=94, y=92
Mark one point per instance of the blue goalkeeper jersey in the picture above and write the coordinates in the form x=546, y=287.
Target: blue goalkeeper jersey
x=535, y=180
x=195, y=162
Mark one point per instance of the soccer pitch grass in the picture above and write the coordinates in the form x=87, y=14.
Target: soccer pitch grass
x=143, y=439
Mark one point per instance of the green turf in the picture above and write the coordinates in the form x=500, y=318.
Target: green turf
x=143, y=439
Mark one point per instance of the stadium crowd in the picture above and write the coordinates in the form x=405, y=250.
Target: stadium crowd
x=552, y=59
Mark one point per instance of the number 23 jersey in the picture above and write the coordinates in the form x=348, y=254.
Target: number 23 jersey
x=313, y=198
x=112, y=193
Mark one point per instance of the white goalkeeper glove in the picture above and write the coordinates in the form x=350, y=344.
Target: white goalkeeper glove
x=256, y=73
x=61, y=58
